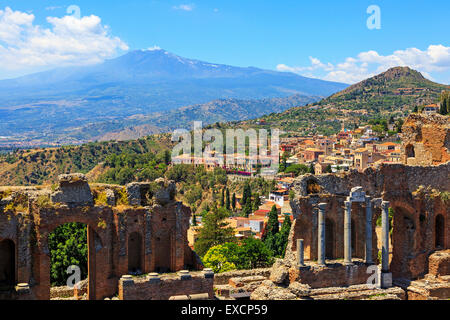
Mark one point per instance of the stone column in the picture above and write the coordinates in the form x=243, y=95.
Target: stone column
x=369, y=230
x=386, y=276
x=385, y=236
x=300, y=256
x=348, y=233
x=321, y=235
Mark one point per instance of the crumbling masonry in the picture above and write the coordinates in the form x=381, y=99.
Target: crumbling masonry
x=148, y=235
x=336, y=242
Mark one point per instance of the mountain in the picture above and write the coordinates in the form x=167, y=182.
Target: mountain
x=393, y=93
x=46, y=104
x=222, y=110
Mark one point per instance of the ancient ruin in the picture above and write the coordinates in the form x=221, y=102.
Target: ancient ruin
x=140, y=229
x=382, y=233
x=338, y=238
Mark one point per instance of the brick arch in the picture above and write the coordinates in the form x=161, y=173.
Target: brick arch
x=8, y=265
x=304, y=230
x=439, y=231
x=404, y=239
x=163, y=248
x=135, y=253
x=97, y=255
x=330, y=238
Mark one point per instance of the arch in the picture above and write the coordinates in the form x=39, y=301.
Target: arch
x=403, y=242
x=409, y=151
x=7, y=264
x=163, y=252
x=135, y=253
x=330, y=239
x=439, y=231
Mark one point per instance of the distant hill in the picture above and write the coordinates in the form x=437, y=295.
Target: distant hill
x=222, y=110
x=42, y=166
x=393, y=93
x=45, y=105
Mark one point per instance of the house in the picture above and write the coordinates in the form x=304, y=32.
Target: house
x=361, y=160
x=312, y=154
x=431, y=108
x=321, y=167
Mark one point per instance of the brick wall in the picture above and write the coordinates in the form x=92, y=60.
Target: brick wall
x=166, y=286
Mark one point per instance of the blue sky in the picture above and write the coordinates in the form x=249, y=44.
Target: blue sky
x=322, y=39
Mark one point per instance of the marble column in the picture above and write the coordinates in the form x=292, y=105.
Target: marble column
x=300, y=250
x=385, y=236
x=385, y=275
x=321, y=235
x=369, y=230
x=348, y=233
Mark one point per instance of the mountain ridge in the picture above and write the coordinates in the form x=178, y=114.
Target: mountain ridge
x=393, y=93
x=43, y=106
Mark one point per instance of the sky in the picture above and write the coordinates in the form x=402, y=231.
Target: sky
x=345, y=41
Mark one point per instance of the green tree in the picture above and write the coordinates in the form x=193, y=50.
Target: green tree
x=282, y=237
x=247, y=193
x=256, y=202
x=193, y=195
x=214, y=231
x=227, y=201
x=445, y=103
x=233, y=201
x=247, y=209
x=222, y=258
x=222, y=198
x=68, y=246
x=253, y=253
x=272, y=229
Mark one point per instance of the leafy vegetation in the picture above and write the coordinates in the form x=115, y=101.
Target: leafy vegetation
x=68, y=246
x=251, y=253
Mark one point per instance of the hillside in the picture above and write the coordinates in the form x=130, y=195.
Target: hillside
x=223, y=110
x=393, y=93
x=42, y=166
x=43, y=107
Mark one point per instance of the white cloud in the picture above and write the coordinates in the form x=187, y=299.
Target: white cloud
x=69, y=41
x=184, y=7
x=435, y=59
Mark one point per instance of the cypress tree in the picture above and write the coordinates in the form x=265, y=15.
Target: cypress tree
x=228, y=201
x=222, y=198
x=233, y=202
x=272, y=224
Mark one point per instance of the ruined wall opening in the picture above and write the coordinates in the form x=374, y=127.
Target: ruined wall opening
x=68, y=246
x=409, y=151
x=7, y=264
x=312, y=186
x=403, y=242
x=135, y=254
x=439, y=231
x=330, y=239
x=163, y=253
